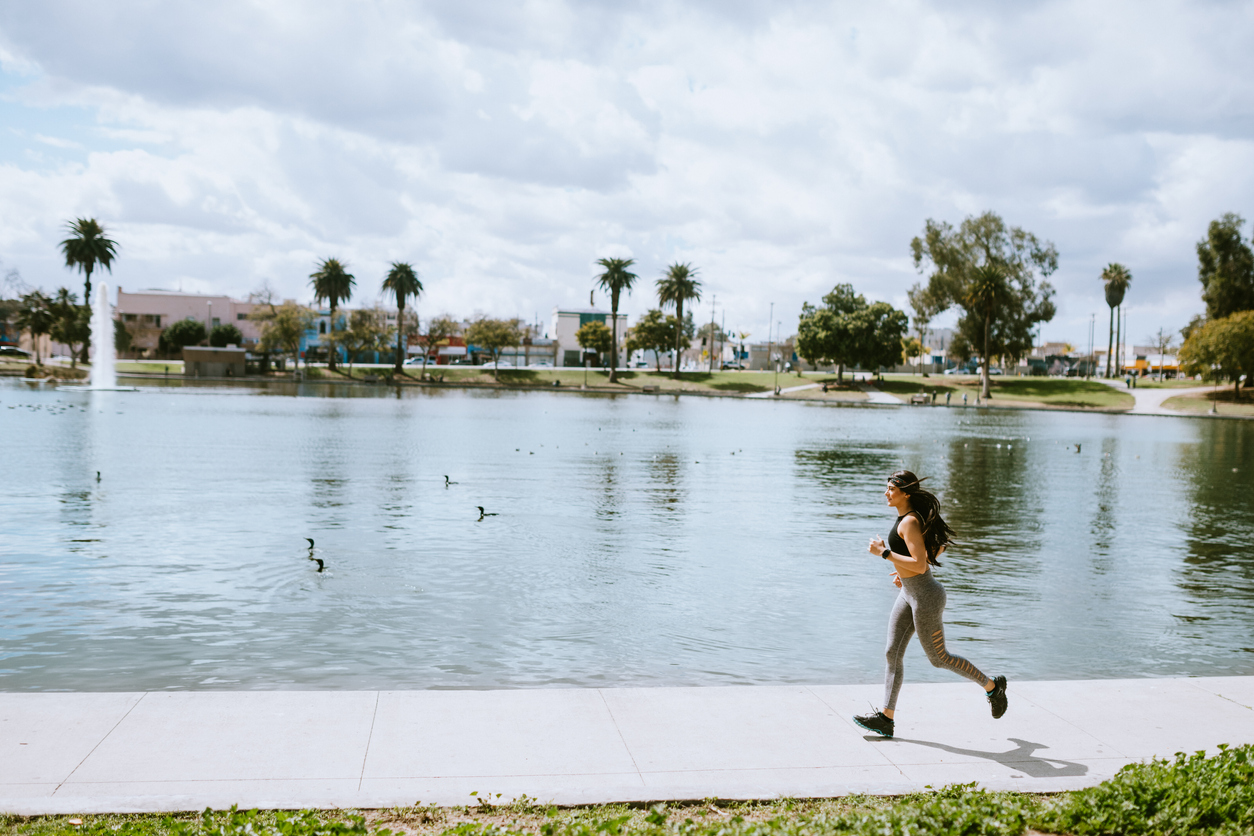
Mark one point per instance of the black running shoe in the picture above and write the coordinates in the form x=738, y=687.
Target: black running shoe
x=997, y=697
x=876, y=722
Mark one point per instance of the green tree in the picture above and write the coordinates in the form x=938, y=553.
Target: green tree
x=615, y=280
x=283, y=327
x=594, y=336
x=35, y=316
x=493, y=335
x=226, y=334
x=71, y=324
x=877, y=332
x=178, y=335
x=1115, y=278
x=332, y=282
x=121, y=337
x=1019, y=257
x=367, y=331
x=654, y=332
x=402, y=282
x=678, y=286
x=926, y=307
x=827, y=334
x=1225, y=267
x=439, y=329
x=86, y=247
x=1222, y=348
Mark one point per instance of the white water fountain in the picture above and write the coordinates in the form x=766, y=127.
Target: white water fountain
x=104, y=373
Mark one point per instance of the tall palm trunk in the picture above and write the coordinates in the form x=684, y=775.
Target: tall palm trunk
x=614, y=332
x=332, y=350
x=679, y=333
x=988, y=324
x=1119, y=341
x=1110, y=340
x=400, y=333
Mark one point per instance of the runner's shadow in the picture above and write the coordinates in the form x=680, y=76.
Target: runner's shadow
x=1019, y=758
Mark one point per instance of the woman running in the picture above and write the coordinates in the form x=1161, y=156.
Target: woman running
x=914, y=542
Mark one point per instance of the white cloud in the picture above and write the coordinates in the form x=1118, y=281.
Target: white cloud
x=503, y=147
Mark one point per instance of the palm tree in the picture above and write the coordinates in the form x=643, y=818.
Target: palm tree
x=36, y=316
x=86, y=248
x=403, y=282
x=335, y=284
x=1116, y=277
x=679, y=285
x=615, y=279
x=987, y=292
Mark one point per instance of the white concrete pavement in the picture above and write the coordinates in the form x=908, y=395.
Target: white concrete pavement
x=1150, y=401
x=134, y=752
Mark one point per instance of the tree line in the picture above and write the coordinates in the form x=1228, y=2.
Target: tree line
x=1219, y=344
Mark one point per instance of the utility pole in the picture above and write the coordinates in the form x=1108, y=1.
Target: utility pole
x=1092, y=324
x=711, y=340
x=722, y=332
x=768, y=335
x=777, y=362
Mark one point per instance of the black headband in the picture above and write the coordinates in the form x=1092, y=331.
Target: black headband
x=897, y=482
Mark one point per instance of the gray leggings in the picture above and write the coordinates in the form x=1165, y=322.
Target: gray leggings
x=919, y=607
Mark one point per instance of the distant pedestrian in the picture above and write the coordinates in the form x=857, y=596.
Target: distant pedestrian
x=916, y=539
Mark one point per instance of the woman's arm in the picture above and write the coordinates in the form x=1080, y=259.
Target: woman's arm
x=914, y=563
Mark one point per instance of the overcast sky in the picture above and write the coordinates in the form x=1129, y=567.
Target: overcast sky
x=502, y=147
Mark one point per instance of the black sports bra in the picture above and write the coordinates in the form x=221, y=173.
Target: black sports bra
x=895, y=543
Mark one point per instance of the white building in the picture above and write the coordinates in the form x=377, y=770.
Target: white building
x=566, y=321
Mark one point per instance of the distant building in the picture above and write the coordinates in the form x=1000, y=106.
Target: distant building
x=200, y=361
x=147, y=313
x=566, y=321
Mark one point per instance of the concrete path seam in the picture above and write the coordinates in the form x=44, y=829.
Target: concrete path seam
x=630, y=754
x=1221, y=696
x=369, y=737
x=99, y=742
x=1075, y=726
x=886, y=758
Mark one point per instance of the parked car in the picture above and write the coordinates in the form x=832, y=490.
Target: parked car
x=541, y=364
x=10, y=351
x=732, y=366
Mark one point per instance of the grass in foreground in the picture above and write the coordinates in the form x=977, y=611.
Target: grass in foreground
x=1187, y=795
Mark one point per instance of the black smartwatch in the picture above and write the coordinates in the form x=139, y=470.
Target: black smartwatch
x=886, y=553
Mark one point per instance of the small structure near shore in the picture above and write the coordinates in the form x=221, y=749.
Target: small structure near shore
x=200, y=361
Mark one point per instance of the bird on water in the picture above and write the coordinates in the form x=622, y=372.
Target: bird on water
x=448, y=482
x=97, y=475
x=483, y=513
x=318, y=560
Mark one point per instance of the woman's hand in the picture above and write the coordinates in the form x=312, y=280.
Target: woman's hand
x=896, y=579
x=877, y=546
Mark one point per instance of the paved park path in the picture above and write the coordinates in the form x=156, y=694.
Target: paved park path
x=101, y=752
x=1150, y=401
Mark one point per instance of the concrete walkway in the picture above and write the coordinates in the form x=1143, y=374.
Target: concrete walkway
x=800, y=388
x=874, y=395
x=1150, y=401
x=63, y=753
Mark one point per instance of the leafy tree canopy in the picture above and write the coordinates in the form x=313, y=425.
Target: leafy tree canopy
x=989, y=271
x=1221, y=348
x=655, y=332
x=283, y=326
x=226, y=334
x=846, y=331
x=180, y=334
x=86, y=247
x=1225, y=267
x=367, y=331
x=71, y=324
x=493, y=335
x=594, y=336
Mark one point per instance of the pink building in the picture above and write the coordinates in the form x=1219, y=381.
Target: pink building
x=147, y=313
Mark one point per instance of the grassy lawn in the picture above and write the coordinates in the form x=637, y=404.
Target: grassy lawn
x=1201, y=403
x=1147, y=383
x=1045, y=391
x=149, y=366
x=1187, y=795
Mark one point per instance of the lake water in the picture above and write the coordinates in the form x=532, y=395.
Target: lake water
x=638, y=540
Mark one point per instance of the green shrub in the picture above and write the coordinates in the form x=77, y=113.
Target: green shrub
x=1191, y=794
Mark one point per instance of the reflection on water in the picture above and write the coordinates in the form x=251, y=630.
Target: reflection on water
x=637, y=540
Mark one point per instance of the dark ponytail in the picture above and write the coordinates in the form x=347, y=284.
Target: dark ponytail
x=926, y=507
